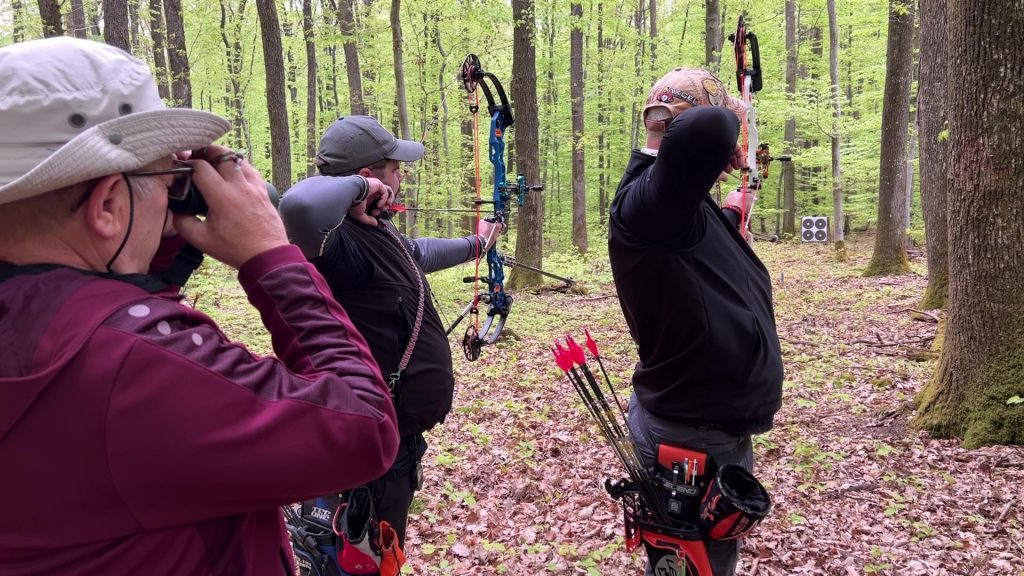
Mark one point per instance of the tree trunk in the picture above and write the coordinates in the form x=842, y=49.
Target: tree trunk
x=115, y=24
x=277, y=104
x=789, y=175
x=19, y=20
x=890, y=254
x=403, y=109
x=982, y=363
x=837, y=172
x=234, y=60
x=529, y=232
x=579, y=177
x=931, y=115
x=76, y=20
x=135, y=24
x=652, y=11
x=712, y=35
x=602, y=152
x=156, y=33
x=442, y=82
x=177, y=55
x=312, y=134
x=49, y=13
x=347, y=25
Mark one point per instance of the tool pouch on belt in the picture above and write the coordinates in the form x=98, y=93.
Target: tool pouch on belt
x=676, y=550
x=336, y=536
x=682, y=475
x=724, y=502
x=313, y=540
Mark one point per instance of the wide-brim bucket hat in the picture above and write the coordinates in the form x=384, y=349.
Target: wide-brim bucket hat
x=73, y=110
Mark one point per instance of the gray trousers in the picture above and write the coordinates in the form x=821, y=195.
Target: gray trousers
x=649, y=430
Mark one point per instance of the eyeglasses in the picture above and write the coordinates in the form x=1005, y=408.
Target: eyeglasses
x=179, y=188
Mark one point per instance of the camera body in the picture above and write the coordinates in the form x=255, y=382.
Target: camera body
x=195, y=204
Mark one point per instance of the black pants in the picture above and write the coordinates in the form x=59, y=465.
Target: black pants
x=392, y=493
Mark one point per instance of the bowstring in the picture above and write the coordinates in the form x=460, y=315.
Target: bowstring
x=474, y=101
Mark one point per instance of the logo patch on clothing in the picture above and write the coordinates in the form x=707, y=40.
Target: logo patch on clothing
x=321, y=514
x=715, y=96
x=669, y=94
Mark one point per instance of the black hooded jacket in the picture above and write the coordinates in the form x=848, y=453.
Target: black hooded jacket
x=697, y=299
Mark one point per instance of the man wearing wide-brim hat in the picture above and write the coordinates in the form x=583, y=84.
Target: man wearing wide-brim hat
x=135, y=437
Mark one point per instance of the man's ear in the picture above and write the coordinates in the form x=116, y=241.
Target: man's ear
x=366, y=173
x=106, y=211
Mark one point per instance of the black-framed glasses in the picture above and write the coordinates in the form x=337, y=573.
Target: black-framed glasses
x=179, y=188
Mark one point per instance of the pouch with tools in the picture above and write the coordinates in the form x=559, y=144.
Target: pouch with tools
x=340, y=536
x=724, y=502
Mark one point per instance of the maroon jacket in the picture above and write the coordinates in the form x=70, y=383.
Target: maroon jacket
x=135, y=438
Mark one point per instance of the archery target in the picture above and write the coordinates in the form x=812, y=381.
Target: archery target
x=814, y=229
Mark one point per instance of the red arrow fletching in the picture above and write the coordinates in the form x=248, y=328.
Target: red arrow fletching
x=591, y=344
x=575, y=350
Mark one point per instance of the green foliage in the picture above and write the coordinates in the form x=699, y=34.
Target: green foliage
x=617, y=75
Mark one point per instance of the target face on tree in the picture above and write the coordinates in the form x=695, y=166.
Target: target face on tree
x=814, y=229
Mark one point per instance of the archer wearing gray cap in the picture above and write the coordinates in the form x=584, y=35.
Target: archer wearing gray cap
x=341, y=221
x=354, y=142
x=160, y=445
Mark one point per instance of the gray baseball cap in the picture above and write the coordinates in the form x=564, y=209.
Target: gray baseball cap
x=354, y=142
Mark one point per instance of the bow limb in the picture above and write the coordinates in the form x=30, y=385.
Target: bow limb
x=748, y=81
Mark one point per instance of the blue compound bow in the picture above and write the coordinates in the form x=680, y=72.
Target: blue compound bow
x=499, y=302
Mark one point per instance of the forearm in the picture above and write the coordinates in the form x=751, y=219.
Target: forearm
x=217, y=411
x=435, y=254
x=317, y=205
x=732, y=214
x=693, y=153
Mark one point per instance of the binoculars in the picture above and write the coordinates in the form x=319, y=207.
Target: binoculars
x=195, y=204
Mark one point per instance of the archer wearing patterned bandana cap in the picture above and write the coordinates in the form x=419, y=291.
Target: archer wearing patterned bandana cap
x=341, y=221
x=135, y=437
x=697, y=299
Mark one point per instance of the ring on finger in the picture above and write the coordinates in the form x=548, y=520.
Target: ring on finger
x=232, y=155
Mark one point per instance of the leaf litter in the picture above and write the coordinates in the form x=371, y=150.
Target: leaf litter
x=514, y=476
x=856, y=490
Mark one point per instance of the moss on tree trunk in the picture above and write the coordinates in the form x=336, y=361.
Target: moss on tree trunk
x=892, y=265
x=935, y=294
x=973, y=406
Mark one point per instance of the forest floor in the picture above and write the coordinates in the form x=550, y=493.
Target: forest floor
x=513, y=477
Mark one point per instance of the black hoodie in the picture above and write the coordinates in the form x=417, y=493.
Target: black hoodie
x=696, y=298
